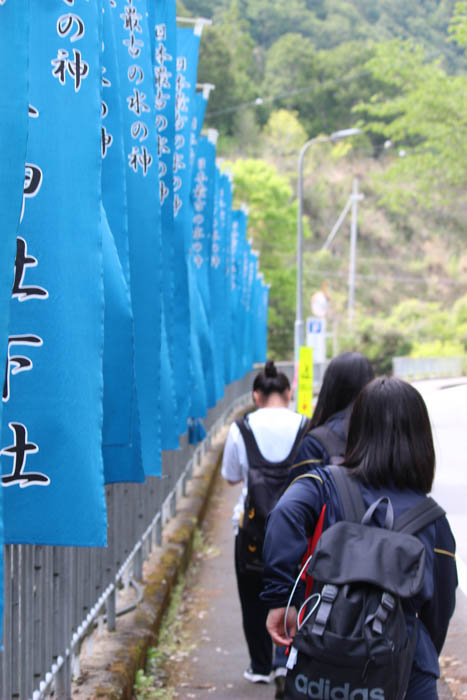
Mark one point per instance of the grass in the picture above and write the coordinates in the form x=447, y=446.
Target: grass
x=153, y=682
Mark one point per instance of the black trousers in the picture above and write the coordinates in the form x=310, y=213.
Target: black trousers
x=254, y=614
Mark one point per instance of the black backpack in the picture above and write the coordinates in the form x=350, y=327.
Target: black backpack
x=266, y=483
x=331, y=441
x=353, y=642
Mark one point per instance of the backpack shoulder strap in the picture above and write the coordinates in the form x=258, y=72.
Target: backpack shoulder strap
x=349, y=493
x=422, y=514
x=255, y=457
x=332, y=443
x=302, y=429
x=251, y=446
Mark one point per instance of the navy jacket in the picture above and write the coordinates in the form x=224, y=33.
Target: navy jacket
x=311, y=452
x=293, y=520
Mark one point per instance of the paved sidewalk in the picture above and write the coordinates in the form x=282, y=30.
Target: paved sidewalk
x=215, y=654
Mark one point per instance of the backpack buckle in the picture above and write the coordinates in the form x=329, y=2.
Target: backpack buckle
x=387, y=601
x=328, y=596
x=329, y=593
x=386, y=606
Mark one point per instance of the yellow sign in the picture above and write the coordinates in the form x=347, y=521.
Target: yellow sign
x=305, y=381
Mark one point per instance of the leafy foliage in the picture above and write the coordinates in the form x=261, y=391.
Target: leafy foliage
x=285, y=73
x=428, y=116
x=272, y=221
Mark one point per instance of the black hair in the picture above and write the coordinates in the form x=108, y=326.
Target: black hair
x=390, y=441
x=345, y=376
x=270, y=381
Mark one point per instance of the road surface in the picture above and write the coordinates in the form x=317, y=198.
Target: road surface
x=447, y=406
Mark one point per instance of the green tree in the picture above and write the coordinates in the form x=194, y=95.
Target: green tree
x=272, y=217
x=283, y=137
x=458, y=27
x=292, y=75
x=227, y=61
x=426, y=120
x=270, y=19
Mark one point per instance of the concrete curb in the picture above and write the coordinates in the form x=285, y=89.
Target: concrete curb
x=110, y=670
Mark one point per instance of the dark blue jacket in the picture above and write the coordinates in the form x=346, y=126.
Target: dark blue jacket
x=293, y=520
x=311, y=452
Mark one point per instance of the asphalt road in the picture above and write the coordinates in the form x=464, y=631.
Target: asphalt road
x=447, y=406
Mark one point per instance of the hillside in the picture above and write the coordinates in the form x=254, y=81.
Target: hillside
x=285, y=73
x=329, y=23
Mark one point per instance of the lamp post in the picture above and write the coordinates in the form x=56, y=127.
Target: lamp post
x=298, y=328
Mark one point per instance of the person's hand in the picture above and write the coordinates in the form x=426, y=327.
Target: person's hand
x=275, y=625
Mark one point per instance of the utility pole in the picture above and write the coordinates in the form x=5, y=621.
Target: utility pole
x=298, y=327
x=353, y=250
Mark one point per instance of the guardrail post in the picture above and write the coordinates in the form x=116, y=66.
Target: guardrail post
x=62, y=679
x=173, y=503
x=158, y=531
x=111, y=610
x=138, y=564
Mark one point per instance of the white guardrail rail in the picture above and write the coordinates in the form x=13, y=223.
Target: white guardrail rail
x=424, y=367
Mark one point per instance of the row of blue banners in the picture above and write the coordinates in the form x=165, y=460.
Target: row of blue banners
x=129, y=293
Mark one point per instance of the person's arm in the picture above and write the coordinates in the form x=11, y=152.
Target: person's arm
x=437, y=612
x=232, y=467
x=289, y=525
x=310, y=455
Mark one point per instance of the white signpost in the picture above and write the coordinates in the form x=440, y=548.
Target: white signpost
x=316, y=337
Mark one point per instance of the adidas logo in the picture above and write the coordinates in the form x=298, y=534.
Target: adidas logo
x=322, y=690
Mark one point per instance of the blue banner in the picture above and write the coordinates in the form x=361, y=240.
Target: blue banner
x=118, y=346
x=144, y=223
x=114, y=159
x=200, y=104
x=199, y=331
x=217, y=286
x=237, y=241
x=249, y=350
x=242, y=317
x=52, y=419
x=14, y=30
x=204, y=181
x=185, y=89
x=118, y=323
x=262, y=324
x=162, y=26
x=197, y=401
x=121, y=450
x=225, y=222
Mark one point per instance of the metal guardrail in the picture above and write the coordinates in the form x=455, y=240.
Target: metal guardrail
x=423, y=367
x=54, y=596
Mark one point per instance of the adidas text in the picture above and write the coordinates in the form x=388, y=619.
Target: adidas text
x=322, y=690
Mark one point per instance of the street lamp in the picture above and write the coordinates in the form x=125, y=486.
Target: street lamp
x=298, y=329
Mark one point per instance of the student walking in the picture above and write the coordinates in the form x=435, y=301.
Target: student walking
x=258, y=452
x=325, y=440
x=390, y=459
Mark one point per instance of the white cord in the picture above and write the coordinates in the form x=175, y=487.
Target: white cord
x=292, y=594
x=315, y=595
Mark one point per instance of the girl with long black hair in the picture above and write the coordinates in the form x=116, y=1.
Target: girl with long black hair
x=390, y=453
x=325, y=441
